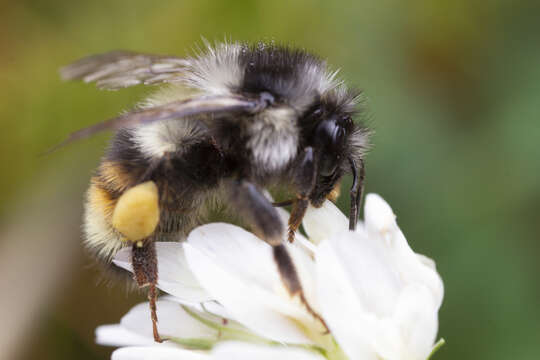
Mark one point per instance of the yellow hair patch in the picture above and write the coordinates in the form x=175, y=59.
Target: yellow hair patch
x=334, y=194
x=100, y=199
x=113, y=175
x=136, y=214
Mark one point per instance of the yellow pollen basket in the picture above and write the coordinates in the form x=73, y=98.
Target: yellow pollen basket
x=136, y=214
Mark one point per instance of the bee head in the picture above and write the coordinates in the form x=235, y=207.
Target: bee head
x=328, y=127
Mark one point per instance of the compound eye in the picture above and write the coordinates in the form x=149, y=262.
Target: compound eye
x=330, y=138
x=338, y=137
x=329, y=135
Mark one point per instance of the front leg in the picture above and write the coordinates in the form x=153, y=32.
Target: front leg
x=356, y=193
x=304, y=179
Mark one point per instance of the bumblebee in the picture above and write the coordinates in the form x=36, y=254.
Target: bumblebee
x=225, y=124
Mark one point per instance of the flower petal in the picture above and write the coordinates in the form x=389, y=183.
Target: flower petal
x=321, y=223
x=174, y=277
x=410, y=267
x=210, y=307
x=418, y=269
x=429, y=262
x=173, y=321
x=123, y=259
x=157, y=353
x=378, y=215
x=390, y=293
x=411, y=332
x=369, y=269
x=242, y=351
x=117, y=335
x=238, y=270
x=305, y=269
x=416, y=317
x=349, y=323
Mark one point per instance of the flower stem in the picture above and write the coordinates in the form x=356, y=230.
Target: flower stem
x=436, y=347
x=193, y=343
x=226, y=332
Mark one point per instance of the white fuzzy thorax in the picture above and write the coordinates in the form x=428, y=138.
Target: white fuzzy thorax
x=217, y=71
x=274, y=138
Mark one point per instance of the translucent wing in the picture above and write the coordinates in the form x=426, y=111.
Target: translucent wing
x=215, y=106
x=119, y=69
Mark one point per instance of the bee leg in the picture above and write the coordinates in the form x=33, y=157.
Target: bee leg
x=304, y=179
x=145, y=271
x=298, y=211
x=251, y=203
x=356, y=193
x=136, y=216
x=289, y=276
x=255, y=207
x=283, y=203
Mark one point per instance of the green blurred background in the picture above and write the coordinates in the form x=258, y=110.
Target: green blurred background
x=454, y=93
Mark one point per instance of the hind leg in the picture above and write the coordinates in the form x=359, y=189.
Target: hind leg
x=144, y=260
x=136, y=216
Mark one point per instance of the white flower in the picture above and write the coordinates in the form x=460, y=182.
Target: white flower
x=378, y=298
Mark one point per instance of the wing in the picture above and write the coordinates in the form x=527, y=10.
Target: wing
x=119, y=69
x=215, y=106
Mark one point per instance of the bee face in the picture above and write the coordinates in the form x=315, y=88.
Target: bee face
x=329, y=128
x=225, y=124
